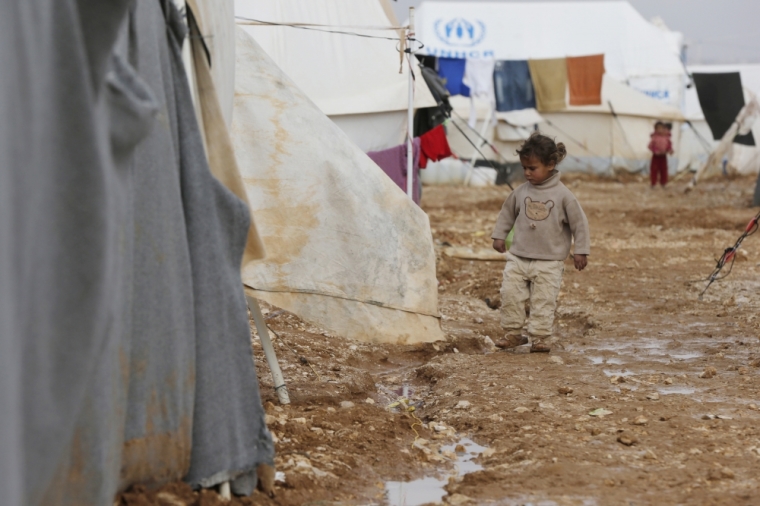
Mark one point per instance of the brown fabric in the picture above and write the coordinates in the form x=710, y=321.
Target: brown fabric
x=549, y=81
x=546, y=218
x=221, y=155
x=584, y=78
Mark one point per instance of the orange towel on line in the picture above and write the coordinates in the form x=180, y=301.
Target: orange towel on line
x=584, y=77
x=549, y=78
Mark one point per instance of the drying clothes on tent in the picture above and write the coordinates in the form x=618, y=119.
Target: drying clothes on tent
x=434, y=146
x=452, y=70
x=478, y=76
x=550, y=82
x=722, y=97
x=427, y=118
x=584, y=79
x=513, y=87
x=393, y=161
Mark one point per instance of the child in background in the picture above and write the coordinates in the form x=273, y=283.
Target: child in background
x=661, y=147
x=546, y=216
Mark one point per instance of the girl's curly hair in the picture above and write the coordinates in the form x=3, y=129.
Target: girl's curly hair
x=544, y=148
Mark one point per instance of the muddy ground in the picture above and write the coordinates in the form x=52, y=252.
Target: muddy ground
x=679, y=377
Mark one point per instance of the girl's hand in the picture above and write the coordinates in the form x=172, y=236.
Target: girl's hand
x=499, y=245
x=580, y=261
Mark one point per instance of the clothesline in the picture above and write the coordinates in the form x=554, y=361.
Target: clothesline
x=240, y=20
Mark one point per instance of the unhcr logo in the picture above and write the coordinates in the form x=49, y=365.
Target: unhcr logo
x=460, y=32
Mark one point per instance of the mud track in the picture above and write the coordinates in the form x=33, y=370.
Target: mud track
x=633, y=340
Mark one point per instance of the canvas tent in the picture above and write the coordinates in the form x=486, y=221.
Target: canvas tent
x=695, y=147
x=596, y=140
x=353, y=80
x=346, y=248
x=636, y=52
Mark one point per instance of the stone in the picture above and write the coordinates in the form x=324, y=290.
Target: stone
x=627, y=439
x=521, y=409
x=463, y=405
x=650, y=455
x=269, y=419
x=331, y=410
x=477, y=320
x=554, y=359
x=455, y=350
x=668, y=381
x=346, y=404
x=459, y=449
x=353, y=347
x=654, y=396
x=369, y=400
x=640, y=420
x=616, y=380
x=458, y=499
x=708, y=373
x=301, y=420
x=600, y=412
x=564, y=390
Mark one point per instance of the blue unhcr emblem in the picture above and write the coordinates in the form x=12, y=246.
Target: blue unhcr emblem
x=460, y=32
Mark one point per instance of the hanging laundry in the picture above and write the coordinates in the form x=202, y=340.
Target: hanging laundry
x=722, y=97
x=478, y=76
x=584, y=78
x=393, y=163
x=513, y=86
x=549, y=81
x=434, y=146
x=452, y=70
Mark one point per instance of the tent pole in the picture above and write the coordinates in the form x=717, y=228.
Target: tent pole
x=266, y=345
x=410, y=112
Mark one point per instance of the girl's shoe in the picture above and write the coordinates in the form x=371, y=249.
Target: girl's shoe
x=511, y=341
x=540, y=346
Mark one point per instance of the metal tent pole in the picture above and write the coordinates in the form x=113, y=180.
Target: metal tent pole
x=410, y=112
x=266, y=345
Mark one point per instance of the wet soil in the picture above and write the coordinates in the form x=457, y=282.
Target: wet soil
x=679, y=378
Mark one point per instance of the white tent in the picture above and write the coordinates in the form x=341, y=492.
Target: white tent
x=346, y=248
x=353, y=80
x=596, y=140
x=645, y=56
x=695, y=147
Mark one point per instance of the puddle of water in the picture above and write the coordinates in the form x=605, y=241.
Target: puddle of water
x=682, y=390
x=615, y=361
x=686, y=356
x=430, y=489
x=596, y=360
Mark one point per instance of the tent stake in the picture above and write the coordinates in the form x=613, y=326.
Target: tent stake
x=266, y=345
x=410, y=112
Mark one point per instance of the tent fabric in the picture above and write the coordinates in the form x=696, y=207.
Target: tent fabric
x=513, y=86
x=633, y=47
x=133, y=365
x=550, y=82
x=452, y=70
x=721, y=97
x=324, y=65
x=320, y=201
x=584, y=79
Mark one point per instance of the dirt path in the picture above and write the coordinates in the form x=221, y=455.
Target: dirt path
x=634, y=342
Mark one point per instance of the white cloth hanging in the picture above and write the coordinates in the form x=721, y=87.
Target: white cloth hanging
x=478, y=76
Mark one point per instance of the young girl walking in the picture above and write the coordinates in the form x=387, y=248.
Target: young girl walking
x=546, y=217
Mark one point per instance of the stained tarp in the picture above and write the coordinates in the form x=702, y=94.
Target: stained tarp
x=125, y=345
x=346, y=248
x=721, y=97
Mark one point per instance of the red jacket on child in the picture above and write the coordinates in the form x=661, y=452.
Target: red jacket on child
x=660, y=144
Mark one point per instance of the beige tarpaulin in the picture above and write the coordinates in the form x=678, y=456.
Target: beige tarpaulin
x=346, y=248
